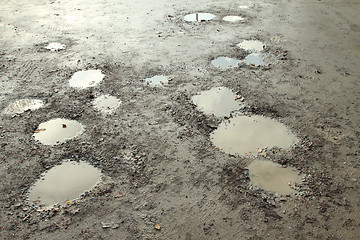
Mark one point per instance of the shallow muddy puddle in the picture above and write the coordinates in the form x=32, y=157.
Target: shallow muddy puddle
x=58, y=131
x=157, y=80
x=23, y=105
x=251, y=45
x=54, y=46
x=219, y=101
x=106, y=104
x=86, y=78
x=199, y=17
x=273, y=177
x=233, y=19
x=259, y=59
x=247, y=135
x=64, y=183
x=225, y=62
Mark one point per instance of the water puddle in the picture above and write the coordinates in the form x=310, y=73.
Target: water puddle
x=54, y=46
x=252, y=45
x=199, y=17
x=259, y=59
x=233, y=18
x=243, y=7
x=219, y=101
x=64, y=183
x=23, y=105
x=85, y=79
x=245, y=135
x=106, y=104
x=273, y=177
x=157, y=80
x=57, y=131
x=225, y=62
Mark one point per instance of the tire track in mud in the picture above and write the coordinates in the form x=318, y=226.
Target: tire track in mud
x=52, y=30
x=27, y=69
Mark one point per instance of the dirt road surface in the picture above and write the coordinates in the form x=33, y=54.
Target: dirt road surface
x=162, y=178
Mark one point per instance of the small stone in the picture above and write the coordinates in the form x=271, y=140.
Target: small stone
x=157, y=226
x=109, y=225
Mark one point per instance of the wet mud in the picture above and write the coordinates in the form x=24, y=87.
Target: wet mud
x=173, y=166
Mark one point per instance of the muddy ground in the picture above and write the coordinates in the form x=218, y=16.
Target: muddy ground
x=157, y=162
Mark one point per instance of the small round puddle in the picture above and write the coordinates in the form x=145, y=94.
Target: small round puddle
x=23, y=105
x=246, y=135
x=58, y=131
x=233, y=18
x=106, y=104
x=199, y=17
x=85, y=79
x=54, y=46
x=219, y=101
x=259, y=59
x=251, y=45
x=273, y=177
x=64, y=182
x=157, y=80
x=225, y=62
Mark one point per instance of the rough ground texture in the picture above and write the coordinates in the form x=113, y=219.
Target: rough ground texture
x=154, y=152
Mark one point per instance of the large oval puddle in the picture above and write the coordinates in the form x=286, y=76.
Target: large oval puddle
x=23, y=105
x=64, y=182
x=225, y=62
x=219, y=101
x=199, y=17
x=85, y=79
x=246, y=135
x=273, y=177
x=58, y=131
x=251, y=45
x=106, y=104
